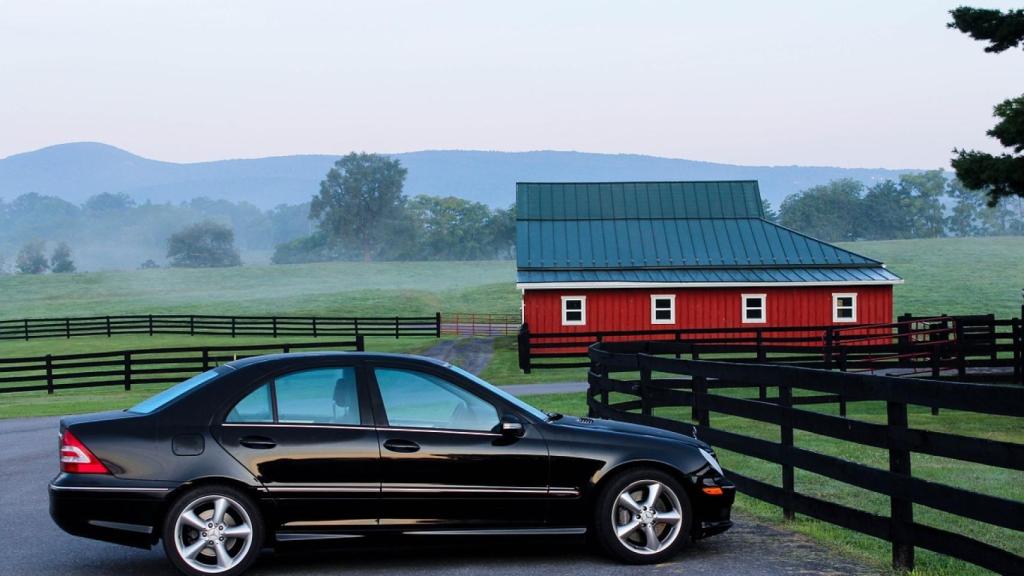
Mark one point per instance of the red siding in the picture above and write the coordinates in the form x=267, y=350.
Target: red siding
x=630, y=309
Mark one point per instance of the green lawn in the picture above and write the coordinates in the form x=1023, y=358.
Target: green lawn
x=998, y=482
x=953, y=275
x=947, y=275
x=337, y=288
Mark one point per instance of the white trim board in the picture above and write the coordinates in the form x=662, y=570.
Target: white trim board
x=605, y=285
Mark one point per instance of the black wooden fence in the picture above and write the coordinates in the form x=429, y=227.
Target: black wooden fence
x=694, y=383
x=126, y=368
x=234, y=326
x=936, y=346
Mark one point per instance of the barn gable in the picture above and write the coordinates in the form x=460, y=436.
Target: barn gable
x=670, y=233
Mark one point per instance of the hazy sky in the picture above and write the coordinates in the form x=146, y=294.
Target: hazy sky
x=783, y=82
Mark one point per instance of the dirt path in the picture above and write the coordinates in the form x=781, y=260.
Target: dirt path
x=471, y=354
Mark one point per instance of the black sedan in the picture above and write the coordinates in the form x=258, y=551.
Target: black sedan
x=267, y=451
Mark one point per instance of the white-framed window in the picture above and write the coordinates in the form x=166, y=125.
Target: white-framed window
x=663, y=308
x=754, y=309
x=844, y=307
x=574, y=310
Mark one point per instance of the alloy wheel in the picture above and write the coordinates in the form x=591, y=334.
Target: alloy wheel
x=213, y=534
x=647, y=517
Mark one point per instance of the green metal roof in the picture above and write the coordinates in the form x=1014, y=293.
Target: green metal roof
x=669, y=232
x=646, y=200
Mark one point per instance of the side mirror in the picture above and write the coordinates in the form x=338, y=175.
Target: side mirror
x=512, y=426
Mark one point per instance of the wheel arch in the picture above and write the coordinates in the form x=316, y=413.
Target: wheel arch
x=265, y=506
x=600, y=480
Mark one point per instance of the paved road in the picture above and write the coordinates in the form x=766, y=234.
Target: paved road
x=33, y=545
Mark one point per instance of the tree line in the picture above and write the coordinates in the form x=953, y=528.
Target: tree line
x=918, y=205
x=362, y=213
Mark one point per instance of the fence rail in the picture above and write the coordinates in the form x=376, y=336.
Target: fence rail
x=209, y=325
x=694, y=383
x=936, y=346
x=131, y=367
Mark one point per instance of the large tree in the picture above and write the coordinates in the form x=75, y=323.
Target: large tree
x=61, y=261
x=32, y=258
x=829, y=212
x=1001, y=175
x=360, y=203
x=203, y=245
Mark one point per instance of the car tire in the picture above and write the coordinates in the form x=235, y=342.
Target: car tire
x=199, y=543
x=642, y=530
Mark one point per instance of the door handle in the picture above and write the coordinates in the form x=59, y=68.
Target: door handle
x=404, y=446
x=257, y=442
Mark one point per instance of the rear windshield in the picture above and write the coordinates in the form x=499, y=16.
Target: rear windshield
x=174, y=392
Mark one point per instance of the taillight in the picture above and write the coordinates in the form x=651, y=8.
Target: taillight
x=75, y=458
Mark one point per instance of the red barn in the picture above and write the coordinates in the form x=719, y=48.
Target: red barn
x=662, y=255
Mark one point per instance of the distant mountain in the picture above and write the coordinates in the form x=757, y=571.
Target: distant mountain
x=79, y=170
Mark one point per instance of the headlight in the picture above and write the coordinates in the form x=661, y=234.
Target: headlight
x=711, y=460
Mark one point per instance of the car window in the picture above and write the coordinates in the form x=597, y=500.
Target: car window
x=320, y=396
x=418, y=400
x=253, y=408
x=174, y=392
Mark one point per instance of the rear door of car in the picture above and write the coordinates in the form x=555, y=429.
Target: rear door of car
x=308, y=436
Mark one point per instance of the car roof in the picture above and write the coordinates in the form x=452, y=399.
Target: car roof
x=347, y=356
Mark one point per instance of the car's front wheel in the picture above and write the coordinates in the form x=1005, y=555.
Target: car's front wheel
x=213, y=530
x=643, y=516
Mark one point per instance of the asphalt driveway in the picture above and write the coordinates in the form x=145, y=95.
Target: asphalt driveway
x=33, y=545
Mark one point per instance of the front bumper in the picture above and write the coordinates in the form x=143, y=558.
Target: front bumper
x=109, y=510
x=712, y=512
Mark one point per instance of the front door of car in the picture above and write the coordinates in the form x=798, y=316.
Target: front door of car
x=444, y=460
x=308, y=436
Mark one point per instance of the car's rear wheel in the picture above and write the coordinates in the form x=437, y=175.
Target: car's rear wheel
x=643, y=516
x=213, y=530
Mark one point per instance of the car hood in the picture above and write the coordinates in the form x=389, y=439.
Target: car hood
x=615, y=426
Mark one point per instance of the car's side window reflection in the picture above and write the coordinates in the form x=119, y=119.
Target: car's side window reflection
x=418, y=400
x=253, y=408
x=318, y=396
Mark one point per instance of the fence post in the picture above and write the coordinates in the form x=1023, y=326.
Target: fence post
x=786, y=436
x=761, y=357
x=25, y=321
x=150, y=324
x=314, y=327
x=355, y=324
x=273, y=324
x=285, y=349
x=49, y=374
x=127, y=370
x=903, y=340
x=437, y=325
x=523, y=348
x=360, y=345
x=396, y=327
x=901, y=508
x=67, y=328
x=961, y=351
x=206, y=359
x=1018, y=350
x=232, y=326
x=830, y=337
x=191, y=325
x=645, y=384
x=108, y=326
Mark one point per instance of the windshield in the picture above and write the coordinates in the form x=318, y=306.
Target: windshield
x=159, y=400
x=535, y=412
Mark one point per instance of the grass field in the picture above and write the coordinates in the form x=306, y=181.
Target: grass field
x=998, y=482
x=948, y=275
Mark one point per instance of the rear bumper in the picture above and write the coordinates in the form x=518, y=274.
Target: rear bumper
x=123, y=513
